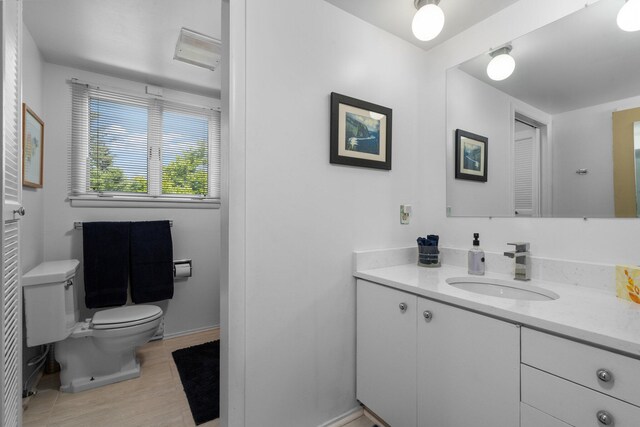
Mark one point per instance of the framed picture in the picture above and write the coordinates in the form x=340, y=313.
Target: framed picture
x=360, y=133
x=471, y=156
x=32, y=148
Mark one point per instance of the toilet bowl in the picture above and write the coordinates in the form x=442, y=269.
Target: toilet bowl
x=102, y=350
x=99, y=351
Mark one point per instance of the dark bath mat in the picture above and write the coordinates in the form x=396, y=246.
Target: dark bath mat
x=199, y=369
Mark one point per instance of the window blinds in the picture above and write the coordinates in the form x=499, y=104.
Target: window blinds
x=132, y=145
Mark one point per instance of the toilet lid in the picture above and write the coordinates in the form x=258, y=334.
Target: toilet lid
x=125, y=316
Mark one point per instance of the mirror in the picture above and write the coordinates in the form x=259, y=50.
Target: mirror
x=636, y=148
x=561, y=131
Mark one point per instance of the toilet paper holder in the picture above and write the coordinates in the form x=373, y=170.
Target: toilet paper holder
x=182, y=268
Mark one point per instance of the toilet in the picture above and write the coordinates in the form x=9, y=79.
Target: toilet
x=99, y=351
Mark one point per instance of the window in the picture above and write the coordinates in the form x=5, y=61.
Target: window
x=129, y=147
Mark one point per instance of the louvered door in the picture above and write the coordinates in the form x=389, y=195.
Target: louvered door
x=526, y=173
x=11, y=307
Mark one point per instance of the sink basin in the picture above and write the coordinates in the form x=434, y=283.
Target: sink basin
x=502, y=288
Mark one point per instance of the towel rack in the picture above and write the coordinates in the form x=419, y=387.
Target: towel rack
x=77, y=225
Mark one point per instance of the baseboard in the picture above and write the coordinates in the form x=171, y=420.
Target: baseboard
x=191, y=331
x=373, y=417
x=345, y=418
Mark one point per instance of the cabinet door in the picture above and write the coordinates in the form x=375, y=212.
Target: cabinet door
x=468, y=369
x=386, y=353
x=531, y=417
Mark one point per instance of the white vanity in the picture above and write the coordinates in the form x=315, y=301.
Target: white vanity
x=433, y=355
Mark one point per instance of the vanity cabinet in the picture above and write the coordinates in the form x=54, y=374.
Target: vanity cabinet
x=386, y=352
x=468, y=368
x=578, y=384
x=428, y=364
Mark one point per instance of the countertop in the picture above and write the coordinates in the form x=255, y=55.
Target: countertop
x=589, y=315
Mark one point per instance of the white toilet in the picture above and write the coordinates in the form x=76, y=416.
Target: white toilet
x=99, y=351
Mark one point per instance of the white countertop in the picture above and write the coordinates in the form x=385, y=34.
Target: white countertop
x=585, y=314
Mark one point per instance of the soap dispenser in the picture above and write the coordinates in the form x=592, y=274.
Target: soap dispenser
x=476, y=257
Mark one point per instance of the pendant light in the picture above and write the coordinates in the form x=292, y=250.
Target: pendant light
x=629, y=16
x=428, y=20
x=502, y=64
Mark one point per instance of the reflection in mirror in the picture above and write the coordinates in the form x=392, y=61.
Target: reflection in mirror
x=636, y=148
x=560, y=128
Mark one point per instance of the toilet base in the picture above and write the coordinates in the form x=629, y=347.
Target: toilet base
x=84, y=366
x=87, y=383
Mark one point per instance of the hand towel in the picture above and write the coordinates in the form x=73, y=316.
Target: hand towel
x=105, y=247
x=151, y=261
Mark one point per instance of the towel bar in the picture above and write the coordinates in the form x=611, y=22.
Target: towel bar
x=77, y=225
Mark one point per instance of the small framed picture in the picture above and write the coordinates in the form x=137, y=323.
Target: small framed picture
x=32, y=148
x=471, y=156
x=360, y=133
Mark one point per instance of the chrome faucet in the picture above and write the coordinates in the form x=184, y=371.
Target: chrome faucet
x=522, y=259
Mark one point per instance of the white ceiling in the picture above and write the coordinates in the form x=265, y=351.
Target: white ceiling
x=130, y=39
x=578, y=61
x=395, y=16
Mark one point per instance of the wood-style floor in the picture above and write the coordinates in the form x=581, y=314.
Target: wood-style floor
x=363, y=421
x=156, y=398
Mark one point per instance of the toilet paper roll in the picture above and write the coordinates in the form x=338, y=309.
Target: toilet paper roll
x=182, y=270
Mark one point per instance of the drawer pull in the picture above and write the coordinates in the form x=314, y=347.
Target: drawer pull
x=604, y=375
x=403, y=307
x=427, y=315
x=604, y=418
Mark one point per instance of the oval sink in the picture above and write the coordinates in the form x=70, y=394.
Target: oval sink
x=502, y=288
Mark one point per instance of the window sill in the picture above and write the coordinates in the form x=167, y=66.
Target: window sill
x=142, y=202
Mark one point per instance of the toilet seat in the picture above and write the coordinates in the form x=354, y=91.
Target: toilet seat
x=123, y=317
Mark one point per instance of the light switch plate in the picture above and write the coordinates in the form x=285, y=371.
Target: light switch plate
x=405, y=214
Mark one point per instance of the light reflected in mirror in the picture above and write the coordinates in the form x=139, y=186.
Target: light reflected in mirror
x=560, y=129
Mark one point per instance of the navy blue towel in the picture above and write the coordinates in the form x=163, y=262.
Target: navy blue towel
x=151, y=261
x=105, y=247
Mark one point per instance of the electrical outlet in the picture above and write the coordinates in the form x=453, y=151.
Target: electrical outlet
x=405, y=214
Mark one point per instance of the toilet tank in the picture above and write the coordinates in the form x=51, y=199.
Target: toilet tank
x=49, y=303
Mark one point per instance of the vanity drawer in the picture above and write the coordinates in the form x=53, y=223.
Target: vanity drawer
x=581, y=364
x=531, y=417
x=573, y=403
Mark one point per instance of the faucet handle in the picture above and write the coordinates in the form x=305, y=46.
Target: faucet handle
x=520, y=246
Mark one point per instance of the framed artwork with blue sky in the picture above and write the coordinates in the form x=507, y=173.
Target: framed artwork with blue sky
x=471, y=156
x=360, y=133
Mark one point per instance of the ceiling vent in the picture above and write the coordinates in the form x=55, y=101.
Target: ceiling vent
x=198, y=49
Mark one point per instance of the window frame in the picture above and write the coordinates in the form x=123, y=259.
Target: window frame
x=78, y=169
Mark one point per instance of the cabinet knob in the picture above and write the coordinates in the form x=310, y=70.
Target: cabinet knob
x=604, y=375
x=427, y=315
x=604, y=418
x=403, y=307
x=20, y=211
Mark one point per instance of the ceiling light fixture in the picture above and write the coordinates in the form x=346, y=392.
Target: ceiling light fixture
x=428, y=20
x=502, y=64
x=629, y=16
x=198, y=49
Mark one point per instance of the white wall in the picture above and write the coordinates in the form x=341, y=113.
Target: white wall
x=196, y=232
x=476, y=107
x=595, y=240
x=32, y=224
x=588, y=195
x=304, y=216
